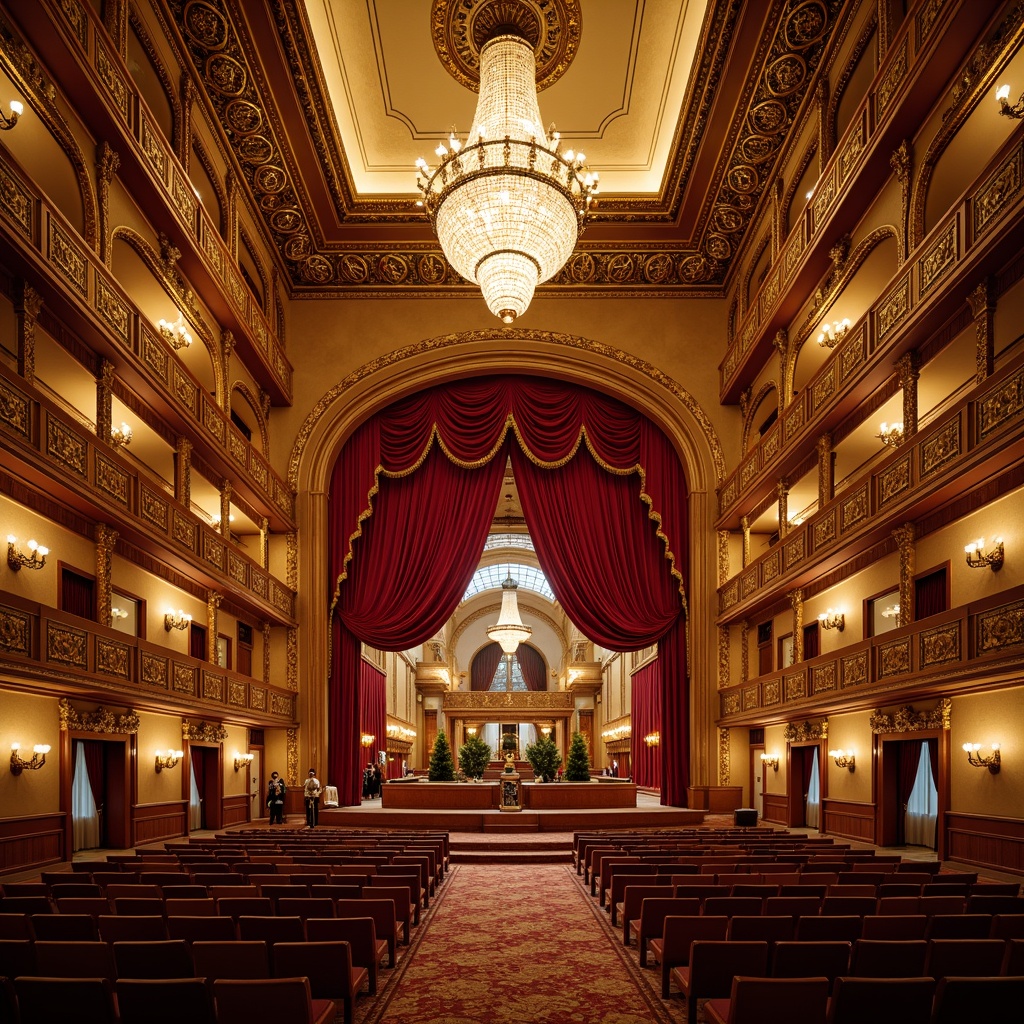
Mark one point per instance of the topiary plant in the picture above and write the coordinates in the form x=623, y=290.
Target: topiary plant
x=442, y=765
x=544, y=758
x=474, y=756
x=577, y=767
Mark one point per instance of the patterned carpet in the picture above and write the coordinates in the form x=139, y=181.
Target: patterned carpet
x=511, y=946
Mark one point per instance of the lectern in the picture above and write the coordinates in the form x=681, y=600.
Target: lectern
x=510, y=796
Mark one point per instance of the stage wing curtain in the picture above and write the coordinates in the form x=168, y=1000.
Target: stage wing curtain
x=373, y=714
x=385, y=561
x=646, y=717
x=485, y=664
x=533, y=666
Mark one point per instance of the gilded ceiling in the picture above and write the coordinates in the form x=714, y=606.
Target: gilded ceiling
x=326, y=103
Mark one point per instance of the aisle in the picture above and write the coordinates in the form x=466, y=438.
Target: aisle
x=515, y=945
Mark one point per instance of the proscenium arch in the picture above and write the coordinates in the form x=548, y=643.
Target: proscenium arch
x=417, y=367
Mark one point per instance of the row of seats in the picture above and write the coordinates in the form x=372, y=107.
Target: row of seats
x=950, y=1000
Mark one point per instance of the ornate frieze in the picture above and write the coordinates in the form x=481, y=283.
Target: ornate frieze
x=936, y=262
x=16, y=202
x=855, y=509
x=101, y=720
x=796, y=685
x=893, y=481
x=456, y=702
x=855, y=669
x=14, y=409
x=153, y=508
x=15, y=632
x=112, y=309
x=113, y=658
x=66, y=257
x=280, y=705
x=202, y=732
x=1000, y=405
x=894, y=658
x=772, y=695
x=292, y=756
x=824, y=678
x=890, y=83
x=893, y=309
x=257, y=698
x=184, y=679
x=997, y=192
x=940, y=645
x=801, y=732
x=1000, y=628
x=153, y=670
x=214, y=686
x=941, y=447
x=67, y=645
x=906, y=719
x=112, y=480
x=723, y=757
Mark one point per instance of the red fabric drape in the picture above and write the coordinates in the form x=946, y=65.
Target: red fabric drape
x=630, y=472
x=96, y=766
x=533, y=666
x=373, y=714
x=646, y=716
x=485, y=664
x=930, y=595
x=76, y=595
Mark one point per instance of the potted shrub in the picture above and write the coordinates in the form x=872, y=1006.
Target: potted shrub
x=544, y=758
x=442, y=765
x=577, y=766
x=474, y=756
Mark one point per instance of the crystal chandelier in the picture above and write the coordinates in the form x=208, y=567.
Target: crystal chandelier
x=509, y=632
x=507, y=204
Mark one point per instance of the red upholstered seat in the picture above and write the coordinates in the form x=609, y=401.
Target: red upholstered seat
x=242, y=1002
x=360, y=933
x=75, y=959
x=771, y=1001
x=329, y=968
x=881, y=1001
x=165, y=1001
x=968, y=958
x=888, y=958
x=66, y=999
x=712, y=967
x=233, y=959
x=958, y=999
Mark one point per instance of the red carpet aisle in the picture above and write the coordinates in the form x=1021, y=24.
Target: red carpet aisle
x=515, y=945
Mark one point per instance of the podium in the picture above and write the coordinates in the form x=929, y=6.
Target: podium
x=510, y=794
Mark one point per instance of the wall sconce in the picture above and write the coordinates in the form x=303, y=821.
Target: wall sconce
x=118, y=613
x=8, y=121
x=991, y=762
x=15, y=558
x=243, y=760
x=890, y=434
x=176, y=335
x=843, y=758
x=832, y=619
x=367, y=739
x=977, y=560
x=37, y=760
x=121, y=437
x=1003, y=98
x=215, y=518
x=892, y=612
x=471, y=730
x=546, y=729
x=176, y=620
x=770, y=761
x=833, y=333
x=168, y=760
x=653, y=739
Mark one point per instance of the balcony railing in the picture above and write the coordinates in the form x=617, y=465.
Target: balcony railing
x=47, y=645
x=942, y=653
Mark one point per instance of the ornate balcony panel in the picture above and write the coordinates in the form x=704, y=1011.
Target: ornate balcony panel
x=113, y=486
x=940, y=655
x=83, y=657
x=91, y=290
x=141, y=137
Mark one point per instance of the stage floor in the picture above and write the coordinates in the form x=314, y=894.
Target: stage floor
x=649, y=815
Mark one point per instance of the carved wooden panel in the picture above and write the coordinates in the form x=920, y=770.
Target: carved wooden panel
x=894, y=658
x=15, y=632
x=67, y=645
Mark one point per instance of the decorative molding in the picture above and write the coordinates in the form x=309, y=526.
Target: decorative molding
x=906, y=719
x=811, y=730
x=203, y=732
x=456, y=701
x=724, y=768
x=101, y=720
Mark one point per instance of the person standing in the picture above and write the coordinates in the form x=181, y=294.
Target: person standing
x=378, y=781
x=311, y=793
x=275, y=799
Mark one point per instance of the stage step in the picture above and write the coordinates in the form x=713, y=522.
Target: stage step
x=521, y=848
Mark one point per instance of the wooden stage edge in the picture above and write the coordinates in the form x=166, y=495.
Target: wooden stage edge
x=570, y=820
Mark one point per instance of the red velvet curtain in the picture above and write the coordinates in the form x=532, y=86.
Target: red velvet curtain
x=646, y=718
x=533, y=666
x=373, y=714
x=95, y=764
x=930, y=595
x=485, y=664
x=400, y=510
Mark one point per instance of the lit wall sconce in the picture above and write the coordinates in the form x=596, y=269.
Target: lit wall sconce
x=653, y=739
x=367, y=739
x=833, y=333
x=770, y=761
x=832, y=619
x=121, y=437
x=8, y=121
x=37, y=760
x=175, y=334
x=176, y=620
x=976, y=558
x=892, y=612
x=546, y=729
x=118, y=613
x=243, y=760
x=16, y=559
x=1003, y=98
x=975, y=759
x=890, y=434
x=168, y=760
x=471, y=730
x=215, y=518
x=843, y=758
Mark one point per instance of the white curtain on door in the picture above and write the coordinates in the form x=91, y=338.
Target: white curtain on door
x=195, y=805
x=85, y=819
x=923, y=805
x=813, y=815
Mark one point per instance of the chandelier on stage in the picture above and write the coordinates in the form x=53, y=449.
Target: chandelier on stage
x=507, y=203
x=509, y=632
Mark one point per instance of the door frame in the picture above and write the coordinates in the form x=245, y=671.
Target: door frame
x=123, y=811
x=886, y=774
x=796, y=813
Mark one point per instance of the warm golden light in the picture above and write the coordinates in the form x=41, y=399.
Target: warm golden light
x=976, y=760
x=16, y=559
x=168, y=760
x=37, y=760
